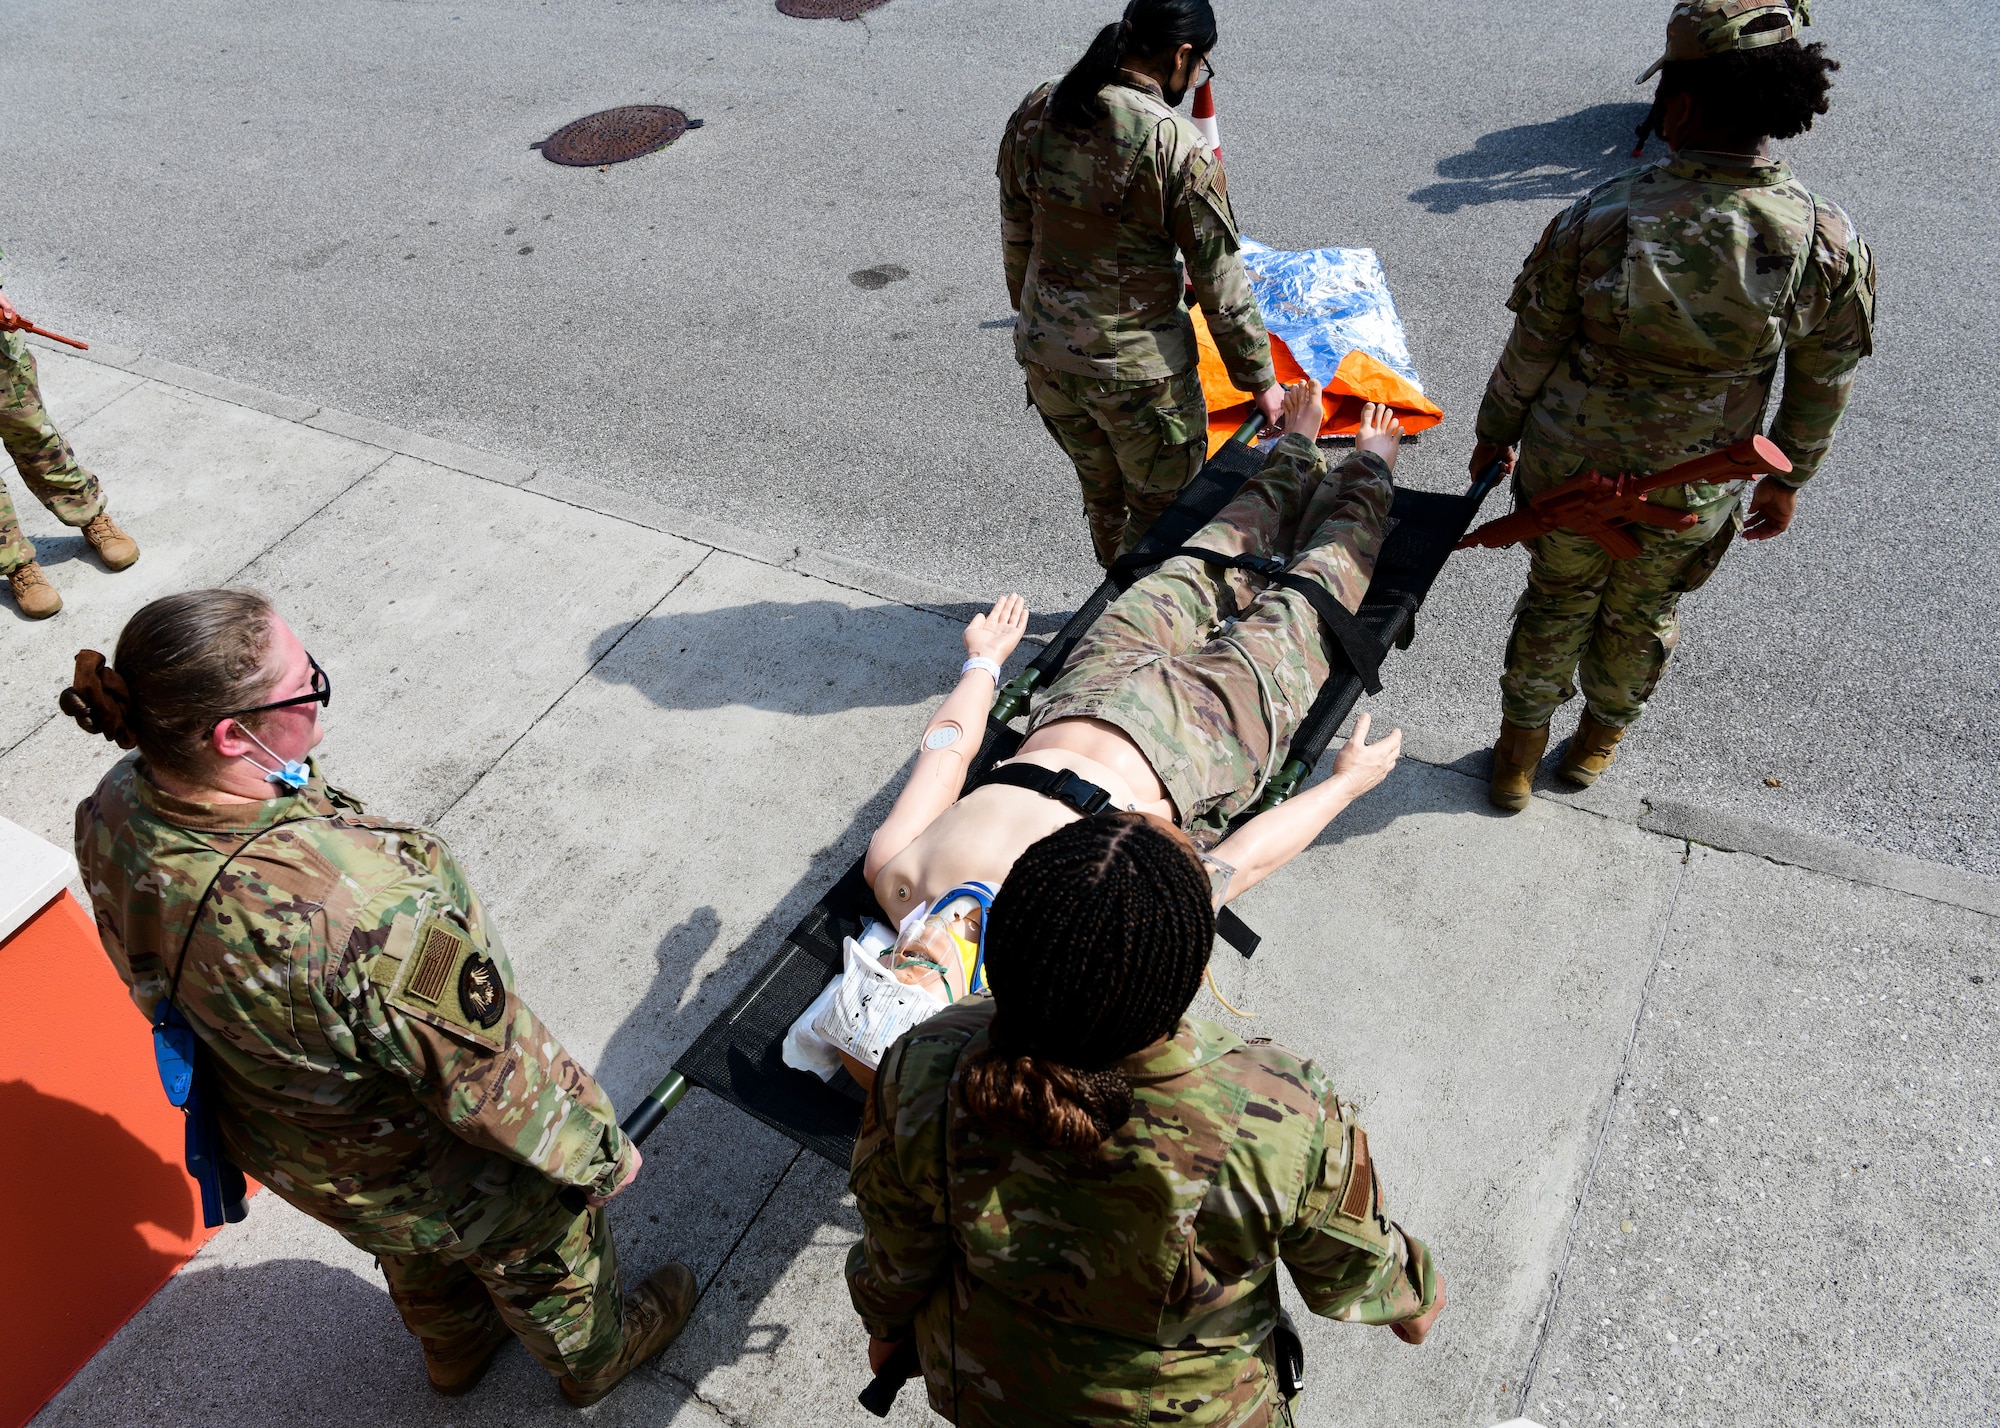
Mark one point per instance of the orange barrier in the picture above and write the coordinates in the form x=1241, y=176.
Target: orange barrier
x=96, y=1212
x=1361, y=379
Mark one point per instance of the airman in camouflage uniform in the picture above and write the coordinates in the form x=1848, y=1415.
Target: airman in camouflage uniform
x=1095, y=226
x=376, y=1068
x=52, y=474
x=1137, y=1289
x=1207, y=670
x=1649, y=324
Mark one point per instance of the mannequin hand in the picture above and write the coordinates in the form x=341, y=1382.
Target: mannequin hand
x=996, y=633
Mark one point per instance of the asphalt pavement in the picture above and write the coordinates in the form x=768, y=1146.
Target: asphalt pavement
x=339, y=201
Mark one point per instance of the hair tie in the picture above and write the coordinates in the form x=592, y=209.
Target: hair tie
x=99, y=700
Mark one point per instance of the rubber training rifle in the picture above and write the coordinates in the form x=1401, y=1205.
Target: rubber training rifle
x=21, y=324
x=1602, y=507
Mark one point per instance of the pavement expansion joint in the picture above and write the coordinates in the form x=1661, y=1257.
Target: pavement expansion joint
x=1716, y=828
x=1602, y=1139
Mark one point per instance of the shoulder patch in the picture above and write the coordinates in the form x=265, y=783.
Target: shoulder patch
x=1354, y=1201
x=444, y=980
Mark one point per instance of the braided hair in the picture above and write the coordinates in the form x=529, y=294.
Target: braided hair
x=1149, y=28
x=1095, y=945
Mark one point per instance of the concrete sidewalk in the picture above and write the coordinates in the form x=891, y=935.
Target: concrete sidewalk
x=1698, y=1136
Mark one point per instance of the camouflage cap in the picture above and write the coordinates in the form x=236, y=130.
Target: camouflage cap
x=1699, y=29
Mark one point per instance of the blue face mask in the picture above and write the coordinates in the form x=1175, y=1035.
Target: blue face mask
x=290, y=773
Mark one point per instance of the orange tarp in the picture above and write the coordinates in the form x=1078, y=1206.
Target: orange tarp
x=1361, y=378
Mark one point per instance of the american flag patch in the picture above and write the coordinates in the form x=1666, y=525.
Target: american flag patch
x=435, y=959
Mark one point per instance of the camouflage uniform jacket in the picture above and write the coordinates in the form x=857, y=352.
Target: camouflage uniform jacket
x=1135, y=1285
x=1651, y=316
x=1092, y=225
x=376, y=1068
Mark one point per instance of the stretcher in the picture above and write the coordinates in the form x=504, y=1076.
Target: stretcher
x=738, y=1055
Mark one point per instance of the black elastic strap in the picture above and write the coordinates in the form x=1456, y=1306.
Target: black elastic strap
x=1088, y=799
x=1347, y=632
x=1266, y=565
x=1342, y=627
x=1127, y=568
x=1060, y=784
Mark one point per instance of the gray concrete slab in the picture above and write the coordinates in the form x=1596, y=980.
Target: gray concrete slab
x=204, y=486
x=272, y=1325
x=1795, y=1215
x=1471, y=982
x=650, y=842
x=75, y=389
x=375, y=235
x=777, y=1340
x=451, y=614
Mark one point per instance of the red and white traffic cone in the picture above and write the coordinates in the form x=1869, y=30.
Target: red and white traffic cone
x=1204, y=116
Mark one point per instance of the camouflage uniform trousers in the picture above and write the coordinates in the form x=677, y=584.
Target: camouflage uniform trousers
x=1135, y=445
x=1617, y=619
x=41, y=455
x=1208, y=672
x=553, y=1283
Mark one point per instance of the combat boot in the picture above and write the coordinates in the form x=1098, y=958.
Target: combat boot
x=33, y=595
x=462, y=1372
x=116, y=549
x=1516, y=755
x=654, y=1315
x=1590, y=750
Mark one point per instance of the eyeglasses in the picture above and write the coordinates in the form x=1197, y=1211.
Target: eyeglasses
x=1207, y=72
x=322, y=693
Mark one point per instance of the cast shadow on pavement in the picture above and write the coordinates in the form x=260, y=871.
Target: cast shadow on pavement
x=714, y=1164
x=1555, y=159
x=759, y=655
x=297, y=1341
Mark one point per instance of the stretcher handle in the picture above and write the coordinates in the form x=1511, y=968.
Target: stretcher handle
x=645, y=1117
x=1482, y=485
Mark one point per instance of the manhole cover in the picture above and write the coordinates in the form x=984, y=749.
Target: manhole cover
x=827, y=9
x=615, y=135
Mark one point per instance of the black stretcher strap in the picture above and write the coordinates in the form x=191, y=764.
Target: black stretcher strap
x=1346, y=632
x=1088, y=799
x=1060, y=784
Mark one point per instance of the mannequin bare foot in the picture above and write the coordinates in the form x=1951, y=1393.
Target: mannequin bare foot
x=1303, y=409
x=1381, y=432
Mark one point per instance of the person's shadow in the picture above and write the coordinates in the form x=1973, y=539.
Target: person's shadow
x=1557, y=158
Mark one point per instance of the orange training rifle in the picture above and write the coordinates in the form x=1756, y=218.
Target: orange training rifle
x=1600, y=507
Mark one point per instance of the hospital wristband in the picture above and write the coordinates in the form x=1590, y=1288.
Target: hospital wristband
x=991, y=666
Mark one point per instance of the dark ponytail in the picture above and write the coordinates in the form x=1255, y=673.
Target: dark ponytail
x=1095, y=946
x=1149, y=28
